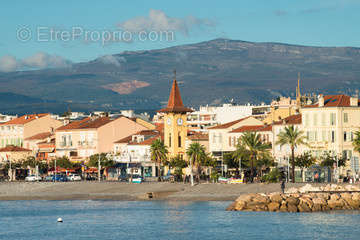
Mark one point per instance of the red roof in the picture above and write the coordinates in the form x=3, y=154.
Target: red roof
x=291, y=120
x=198, y=136
x=148, y=141
x=175, y=103
x=248, y=128
x=229, y=124
x=40, y=136
x=25, y=119
x=142, y=132
x=11, y=148
x=333, y=101
x=86, y=123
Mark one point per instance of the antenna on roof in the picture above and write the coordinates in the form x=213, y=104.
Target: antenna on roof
x=174, y=74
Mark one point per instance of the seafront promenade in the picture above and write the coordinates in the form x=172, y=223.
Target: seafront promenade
x=133, y=192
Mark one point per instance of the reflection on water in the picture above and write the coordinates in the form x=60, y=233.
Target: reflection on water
x=165, y=220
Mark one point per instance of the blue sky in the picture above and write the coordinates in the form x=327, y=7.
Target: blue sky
x=305, y=22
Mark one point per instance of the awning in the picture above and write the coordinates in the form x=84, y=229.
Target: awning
x=48, y=150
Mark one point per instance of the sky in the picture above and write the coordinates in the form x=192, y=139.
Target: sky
x=41, y=34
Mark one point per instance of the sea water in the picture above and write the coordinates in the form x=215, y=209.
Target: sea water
x=149, y=220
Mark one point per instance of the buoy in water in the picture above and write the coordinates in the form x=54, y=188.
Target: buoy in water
x=59, y=220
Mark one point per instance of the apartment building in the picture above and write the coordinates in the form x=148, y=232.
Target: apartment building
x=281, y=154
x=80, y=139
x=15, y=131
x=330, y=125
x=220, y=135
x=208, y=116
x=135, y=151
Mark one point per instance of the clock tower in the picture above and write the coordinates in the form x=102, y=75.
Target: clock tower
x=175, y=125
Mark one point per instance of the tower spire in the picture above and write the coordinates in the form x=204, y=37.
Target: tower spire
x=298, y=93
x=175, y=103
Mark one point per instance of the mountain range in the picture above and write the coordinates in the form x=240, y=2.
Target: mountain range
x=211, y=72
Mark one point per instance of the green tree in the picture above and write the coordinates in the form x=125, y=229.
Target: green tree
x=356, y=142
x=32, y=163
x=241, y=154
x=329, y=160
x=196, y=153
x=251, y=141
x=177, y=163
x=158, y=153
x=104, y=161
x=293, y=137
x=63, y=162
x=304, y=160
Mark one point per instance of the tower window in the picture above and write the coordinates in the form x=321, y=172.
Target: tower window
x=179, y=141
x=169, y=139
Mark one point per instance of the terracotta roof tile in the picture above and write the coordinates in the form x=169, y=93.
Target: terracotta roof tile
x=40, y=136
x=247, y=128
x=199, y=136
x=11, y=148
x=333, y=101
x=25, y=119
x=86, y=123
x=229, y=124
x=142, y=132
x=175, y=103
x=291, y=120
x=148, y=141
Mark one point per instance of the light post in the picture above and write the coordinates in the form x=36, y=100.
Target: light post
x=11, y=173
x=240, y=167
x=99, y=166
x=55, y=171
x=222, y=163
x=288, y=169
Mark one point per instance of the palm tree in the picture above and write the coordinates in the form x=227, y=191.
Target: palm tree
x=197, y=154
x=293, y=137
x=356, y=141
x=240, y=154
x=251, y=141
x=158, y=153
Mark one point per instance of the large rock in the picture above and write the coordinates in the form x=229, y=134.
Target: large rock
x=240, y=205
x=292, y=208
x=261, y=199
x=336, y=204
x=334, y=197
x=303, y=207
x=292, y=201
x=277, y=197
x=319, y=204
x=274, y=206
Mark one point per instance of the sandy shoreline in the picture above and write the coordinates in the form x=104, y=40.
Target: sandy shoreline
x=131, y=192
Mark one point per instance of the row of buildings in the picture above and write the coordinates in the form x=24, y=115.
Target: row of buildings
x=329, y=123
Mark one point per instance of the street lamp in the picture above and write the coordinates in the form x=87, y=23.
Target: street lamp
x=99, y=166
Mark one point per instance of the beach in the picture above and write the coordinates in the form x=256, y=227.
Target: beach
x=132, y=192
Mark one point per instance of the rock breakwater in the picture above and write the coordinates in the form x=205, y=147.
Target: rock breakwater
x=304, y=199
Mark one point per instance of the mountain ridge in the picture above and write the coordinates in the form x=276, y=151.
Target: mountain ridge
x=209, y=72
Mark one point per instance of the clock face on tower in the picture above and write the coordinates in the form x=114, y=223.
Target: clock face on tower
x=180, y=121
x=169, y=121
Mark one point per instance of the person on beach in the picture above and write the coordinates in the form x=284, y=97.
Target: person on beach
x=283, y=186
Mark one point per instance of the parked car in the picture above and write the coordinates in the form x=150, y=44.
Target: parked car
x=59, y=178
x=49, y=178
x=74, y=177
x=123, y=178
x=90, y=178
x=137, y=179
x=32, y=178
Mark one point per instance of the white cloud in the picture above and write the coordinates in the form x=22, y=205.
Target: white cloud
x=159, y=21
x=8, y=64
x=110, y=59
x=39, y=60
